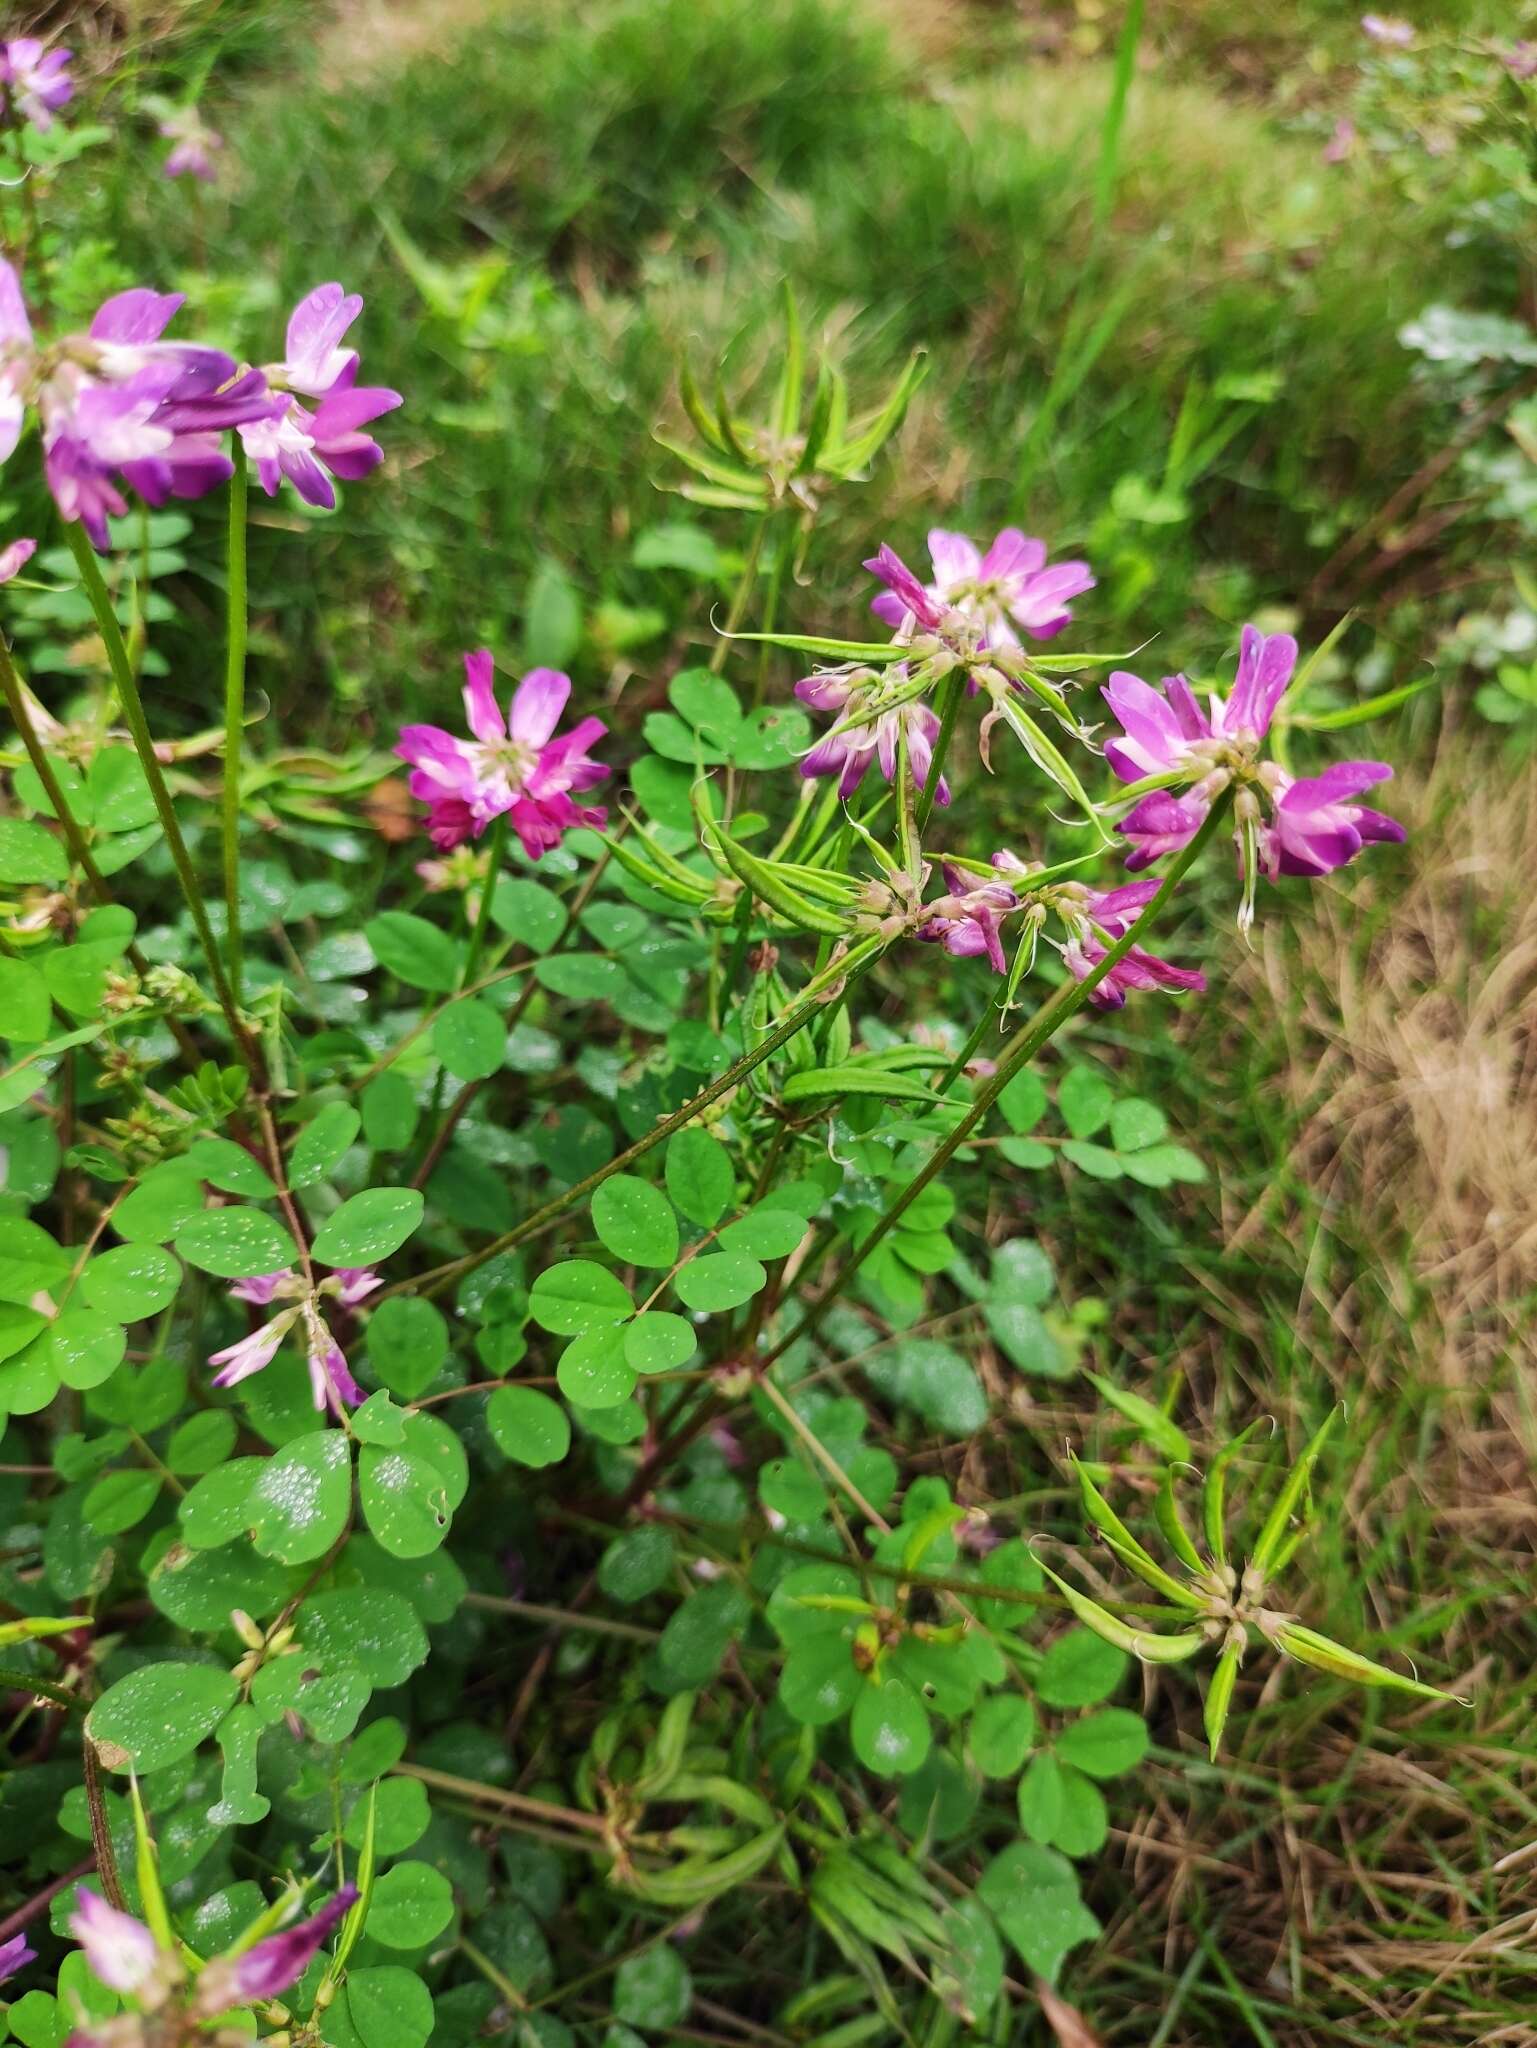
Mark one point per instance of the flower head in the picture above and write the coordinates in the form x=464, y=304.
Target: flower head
x=866, y=733
x=967, y=919
x=1521, y=60
x=1007, y=591
x=517, y=766
x=1285, y=826
x=35, y=79
x=314, y=361
x=15, y=1955
x=251, y=1354
x=331, y=1381
x=1107, y=915
x=1341, y=142
x=194, y=145
x=308, y=445
x=123, y=1953
x=119, y=405
x=1387, y=30
x=14, y=558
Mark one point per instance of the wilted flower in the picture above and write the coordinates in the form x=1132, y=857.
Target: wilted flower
x=514, y=767
x=119, y=405
x=193, y=145
x=15, y=1955
x=1286, y=827
x=1008, y=590
x=15, y=557
x=1388, y=30
x=34, y=79
x=865, y=733
x=292, y=441
x=331, y=1380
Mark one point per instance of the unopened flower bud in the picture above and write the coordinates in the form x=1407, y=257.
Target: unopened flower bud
x=246, y=1628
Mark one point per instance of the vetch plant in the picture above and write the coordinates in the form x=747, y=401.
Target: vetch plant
x=578, y=1222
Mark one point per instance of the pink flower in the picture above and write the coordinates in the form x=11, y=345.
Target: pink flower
x=254, y=1353
x=967, y=920
x=1386, y=29
x=1521, y=60
x=33, y=79
x=269, y=1968
x=194, y=145
x=1286, y=827
x=1007, y=591
x=857, y=741
x=1166, y=728
x=262, y=1288
x=122, y=1952
x=1108, y=914
x=331, y=1381
x=517, y=767
x=1340, y=143
x=352, y=1284
x=314, y=361
x=306, y=446
x=15, y=557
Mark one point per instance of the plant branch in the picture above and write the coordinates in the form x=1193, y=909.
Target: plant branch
x=800, y=1014
x=235, y=635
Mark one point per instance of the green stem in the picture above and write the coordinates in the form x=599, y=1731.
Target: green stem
x=783, y=549
x=858, y=960
x=496, y=848
x=74, y=838
x=1020, y=1050
x=235, y=633
x=956, y=691
x=741, y=595
x=144, y=746
x=967, y=1053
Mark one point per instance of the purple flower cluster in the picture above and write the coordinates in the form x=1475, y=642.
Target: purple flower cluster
x=331, y=1381
x=121, y=408
x=968, y=922
x=971, y=615
x=1180, y=757
x=864, y=734
x=515, y=767
x=1308, y=826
